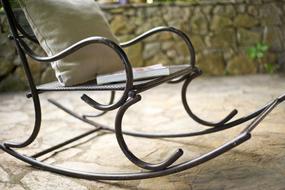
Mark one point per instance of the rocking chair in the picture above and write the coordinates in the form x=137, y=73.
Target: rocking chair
x=131, y=91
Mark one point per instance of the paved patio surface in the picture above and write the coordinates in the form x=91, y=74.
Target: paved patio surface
x=257, y=164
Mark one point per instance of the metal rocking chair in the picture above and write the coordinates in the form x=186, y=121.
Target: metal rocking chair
x=131, y=95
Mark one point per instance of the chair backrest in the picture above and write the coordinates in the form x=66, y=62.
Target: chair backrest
x=14, y=18
x=17, y=32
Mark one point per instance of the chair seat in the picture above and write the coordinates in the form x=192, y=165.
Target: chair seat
x=93, y=86
x=89, y=86
x=56, y=86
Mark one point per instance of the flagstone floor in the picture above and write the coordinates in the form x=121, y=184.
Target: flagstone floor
x=257, y=164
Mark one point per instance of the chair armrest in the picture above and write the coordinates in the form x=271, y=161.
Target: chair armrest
x=153, y=31
x=75, y=47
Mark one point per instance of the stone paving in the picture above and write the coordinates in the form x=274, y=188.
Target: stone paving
x=257, y=164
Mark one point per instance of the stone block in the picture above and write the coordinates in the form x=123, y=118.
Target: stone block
x=270, y=15
x=211, y=63
x=241, y=64
x=248, y=37
x=135, y=55
x=246, y=21
x=118, y=24
x=4, y=38
x=12, y=83
x=6, y=66
x=158, y=59
x=3, y=24
x=176, y=13
x=7, y=48
x=225, y=10
x=172, y=53
x=199, y=23
x=167, y=45
x=198, y=42
x=36, y=69
x=274, y=38
x=165, y=36
x=241, y=8
x=182, y=49
x=220, y=22
x=222, y=39
x=253, y=11
x=143, y=27
x=151, y=49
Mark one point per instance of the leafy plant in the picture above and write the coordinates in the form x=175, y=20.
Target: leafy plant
x=258, y=52
x=270, y=68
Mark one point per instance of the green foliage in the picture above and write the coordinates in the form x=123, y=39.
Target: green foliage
x=270, y=68
x=259, y=51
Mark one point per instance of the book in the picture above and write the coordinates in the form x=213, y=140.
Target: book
x=140, y=73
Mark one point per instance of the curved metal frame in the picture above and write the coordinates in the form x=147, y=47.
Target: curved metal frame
x=118, y=129
x=111, y=101
x=131, y=95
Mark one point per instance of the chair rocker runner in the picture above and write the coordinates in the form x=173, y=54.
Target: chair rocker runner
x=131, y=95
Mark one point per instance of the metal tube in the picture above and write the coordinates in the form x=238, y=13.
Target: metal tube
x=118, y=130
x=36, y=101
x=111, y=101
x=132, y=176
x=55, y=147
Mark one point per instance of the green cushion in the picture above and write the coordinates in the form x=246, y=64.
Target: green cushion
x=58, y=24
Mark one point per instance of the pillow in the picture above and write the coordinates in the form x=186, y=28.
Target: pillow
x=58, y=24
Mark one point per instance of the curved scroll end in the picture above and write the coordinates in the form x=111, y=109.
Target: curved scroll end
x=175, y=156
x=228, y=118
x=91, y=115
x=95, y=104
x=134, y=98
x=195, y=117
x=163, y=165
x=90, y=101
x=111, y=101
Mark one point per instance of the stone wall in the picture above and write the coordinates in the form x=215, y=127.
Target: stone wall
x=221, y=31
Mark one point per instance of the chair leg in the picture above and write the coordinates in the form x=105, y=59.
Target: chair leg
x=119, y=135
x=195, y=117
x=224, y=123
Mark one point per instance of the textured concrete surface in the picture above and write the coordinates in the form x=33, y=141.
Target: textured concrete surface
x=257, y=164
